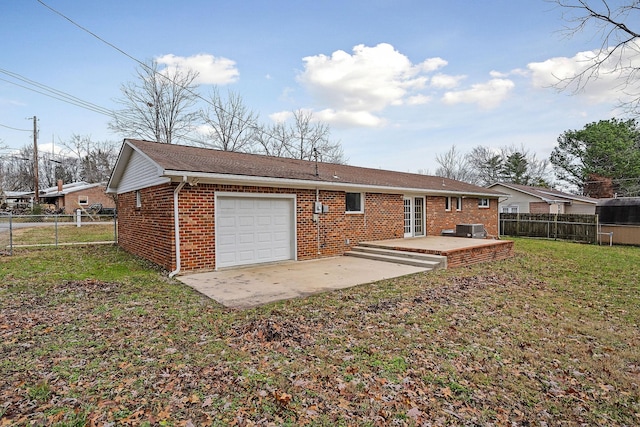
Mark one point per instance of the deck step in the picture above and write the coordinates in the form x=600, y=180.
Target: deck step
x=416, y=259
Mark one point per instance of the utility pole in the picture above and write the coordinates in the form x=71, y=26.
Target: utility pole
x=36, y=179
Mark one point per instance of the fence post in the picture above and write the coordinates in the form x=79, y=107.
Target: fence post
x=78, y=217
x=55, y=221
x=10, y=234
x=115, y=227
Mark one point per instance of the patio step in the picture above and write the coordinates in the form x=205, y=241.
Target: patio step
x=416, y=259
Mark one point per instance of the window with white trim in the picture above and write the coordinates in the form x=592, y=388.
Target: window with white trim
x=354, y=203
x=483, y=203
x=138, y=199
x=83, y=200
x=510, y=209
x=447, y=203
x=458, y=203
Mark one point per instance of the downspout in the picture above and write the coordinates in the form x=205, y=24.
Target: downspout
x=176, y=225
x=318, y=221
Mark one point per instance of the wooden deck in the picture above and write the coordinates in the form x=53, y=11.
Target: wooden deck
x=459, y=251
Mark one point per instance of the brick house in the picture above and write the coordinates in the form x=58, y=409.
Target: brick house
x=76, y=195
x=188, y=208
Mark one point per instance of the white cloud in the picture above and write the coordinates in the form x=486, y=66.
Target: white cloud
x=606, y=87
x=486, y=95
x=211, y=69
x=355, y=86
x=418, y=99
x=346, y=118
x=281, y=116
x=445, y=81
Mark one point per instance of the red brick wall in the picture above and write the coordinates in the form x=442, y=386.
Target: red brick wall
x=148, y=231
x=468, y=256
x=538, y=207
x=439, y=219
x=70, y=201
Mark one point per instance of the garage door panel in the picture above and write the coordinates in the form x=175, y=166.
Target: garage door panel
x=254, y=230
x=226, y=239
x=280, y=237
x=265, y=237
x=246, y=238
x=227, y=222
x=246, y=256
x=264, y=220
x=246, y=221
x=264, y=254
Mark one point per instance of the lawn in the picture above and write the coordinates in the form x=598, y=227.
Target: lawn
x=93, y=336
x=63, y=233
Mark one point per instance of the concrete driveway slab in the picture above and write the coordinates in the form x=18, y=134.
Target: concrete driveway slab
x=251, y=286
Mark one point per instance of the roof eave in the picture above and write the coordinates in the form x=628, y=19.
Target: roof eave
x=218, y=178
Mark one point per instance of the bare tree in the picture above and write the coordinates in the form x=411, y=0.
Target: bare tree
x=310, y=138
x=486, y=163
x=619, y=43
x=18, y=170
x=272, y=140
x=158, y=106
x=454, y=165
x=485, y=166
x=84, y=159
x=521, y=166
x=229, y=122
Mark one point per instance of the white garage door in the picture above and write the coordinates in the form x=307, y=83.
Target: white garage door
x=252, y=230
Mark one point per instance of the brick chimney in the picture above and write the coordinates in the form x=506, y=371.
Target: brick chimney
x=59, y=186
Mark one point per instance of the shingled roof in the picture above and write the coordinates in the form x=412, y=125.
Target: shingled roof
x=179, y=160
x=546, y=194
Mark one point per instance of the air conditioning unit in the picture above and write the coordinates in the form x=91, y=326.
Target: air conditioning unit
x=475, y=231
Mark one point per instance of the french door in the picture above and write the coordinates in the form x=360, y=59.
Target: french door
x=414, y=216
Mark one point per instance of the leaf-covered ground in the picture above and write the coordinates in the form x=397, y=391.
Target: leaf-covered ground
x=92, y=336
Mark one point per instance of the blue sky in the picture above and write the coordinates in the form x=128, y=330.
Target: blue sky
x=399, y=81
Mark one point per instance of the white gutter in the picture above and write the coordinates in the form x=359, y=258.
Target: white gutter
x=176, y=225
x=221, y=178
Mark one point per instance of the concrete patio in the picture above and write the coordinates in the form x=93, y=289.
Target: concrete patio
x=260, y=284
x=251, y=286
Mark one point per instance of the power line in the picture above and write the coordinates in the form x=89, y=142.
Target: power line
x=145, y=66
x=12, y=128
x=53, y=93
x=90, y=32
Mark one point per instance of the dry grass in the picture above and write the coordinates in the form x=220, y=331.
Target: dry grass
x=92, y=336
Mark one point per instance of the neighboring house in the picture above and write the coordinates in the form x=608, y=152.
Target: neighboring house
x=188, y=208
x=67, y=198
x=16, y=200
x=528, y=199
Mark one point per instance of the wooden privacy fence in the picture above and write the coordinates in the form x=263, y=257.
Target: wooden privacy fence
x=577, y=228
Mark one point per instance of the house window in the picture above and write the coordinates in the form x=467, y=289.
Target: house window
x=138, y=199
x=447, y=203
x=458, y=203
x=353, y=202
x=510, y=209
x=83, y=200
x=483, y=203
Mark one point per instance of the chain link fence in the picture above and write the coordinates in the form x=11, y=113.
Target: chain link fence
x=24, y=231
